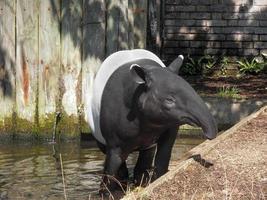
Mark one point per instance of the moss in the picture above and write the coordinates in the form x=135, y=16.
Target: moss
x=25, y=129
x=46, y=125
x=6, y=125
x=6, y=128
x=68, y=126
x=84, y=126
x=22, y=129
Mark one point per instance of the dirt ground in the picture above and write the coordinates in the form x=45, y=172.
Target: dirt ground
x=235, y=168
x=249, y=86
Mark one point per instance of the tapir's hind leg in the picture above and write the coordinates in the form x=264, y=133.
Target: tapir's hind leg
x=114, y=166
x=142, y=170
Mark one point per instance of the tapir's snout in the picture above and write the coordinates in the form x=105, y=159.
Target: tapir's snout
x=205, y=120
x=210, y=129
x=196, y=111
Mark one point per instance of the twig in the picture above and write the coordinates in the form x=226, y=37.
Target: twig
x=62, y=174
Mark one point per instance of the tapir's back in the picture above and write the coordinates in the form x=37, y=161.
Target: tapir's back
x=108, y=67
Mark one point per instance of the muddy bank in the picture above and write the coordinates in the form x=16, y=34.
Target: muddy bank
x=233, y=166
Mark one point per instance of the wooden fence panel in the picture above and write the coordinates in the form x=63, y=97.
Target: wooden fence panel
x=131, y=7
x=117, y=26
x=93, y=50
x=50, y=51
x=112, y=31
x=71, y=36
x=140, y=23
x=49, y=66
x=123, y=36
x=7, y=64
x=27, y=65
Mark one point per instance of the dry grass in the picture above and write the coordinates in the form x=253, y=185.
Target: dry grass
x=237, y=170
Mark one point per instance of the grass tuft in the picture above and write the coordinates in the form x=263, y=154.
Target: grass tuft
x=229, y=92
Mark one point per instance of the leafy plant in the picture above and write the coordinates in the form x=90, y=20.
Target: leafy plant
x=192, y=66
x=251, y=66
x=208, y=63
x=224, y=62
x=229, y=92
x=199, y=65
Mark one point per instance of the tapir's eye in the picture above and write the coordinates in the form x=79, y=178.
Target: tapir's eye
x=170, y=102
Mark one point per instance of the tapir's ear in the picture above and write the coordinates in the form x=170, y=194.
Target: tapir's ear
x=138, y=74
x=176, y=64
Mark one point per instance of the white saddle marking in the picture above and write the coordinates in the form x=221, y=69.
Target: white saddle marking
x=110, y=64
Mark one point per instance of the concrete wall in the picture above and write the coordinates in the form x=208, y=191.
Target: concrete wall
x=228, y=112
x=230, y=27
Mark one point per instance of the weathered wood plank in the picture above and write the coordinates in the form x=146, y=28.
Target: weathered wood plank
x=26, y=64
x=140, y=23
x=131, y=7
x=117, y=25
x=93, y=50
x=7, y=64
x=123, y=26
x=112, y=31
x=49, y=66
x=71, y=36
x=154, y=26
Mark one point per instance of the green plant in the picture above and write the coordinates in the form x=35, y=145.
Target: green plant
x=192, y=66
x=208, y=62
x=251, y=66
x=229, y=92
x=224, y=62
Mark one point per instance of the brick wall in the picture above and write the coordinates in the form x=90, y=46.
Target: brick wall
x=216, y=27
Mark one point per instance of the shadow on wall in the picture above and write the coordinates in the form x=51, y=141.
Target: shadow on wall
x=104, y=26
x=217, y=29
x=73, y=13
x=6, y=62
x=5, y=81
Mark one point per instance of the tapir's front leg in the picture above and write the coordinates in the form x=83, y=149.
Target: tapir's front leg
x=163, y=155
x=112, y=164
x=144, y=166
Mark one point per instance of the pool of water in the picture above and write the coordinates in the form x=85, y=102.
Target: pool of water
x=33, y=171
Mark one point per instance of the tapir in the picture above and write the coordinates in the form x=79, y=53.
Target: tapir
x=138, y=104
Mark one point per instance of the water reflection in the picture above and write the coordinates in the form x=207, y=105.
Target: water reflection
x=33, y=171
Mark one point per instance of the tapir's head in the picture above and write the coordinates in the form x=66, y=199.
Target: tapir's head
x=167, y=99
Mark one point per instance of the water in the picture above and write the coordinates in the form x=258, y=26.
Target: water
x=33, y=171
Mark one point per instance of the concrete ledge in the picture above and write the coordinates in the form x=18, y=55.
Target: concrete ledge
x=201, y=149
x=230, y=111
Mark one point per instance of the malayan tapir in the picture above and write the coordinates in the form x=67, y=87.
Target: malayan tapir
x=138, y=104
